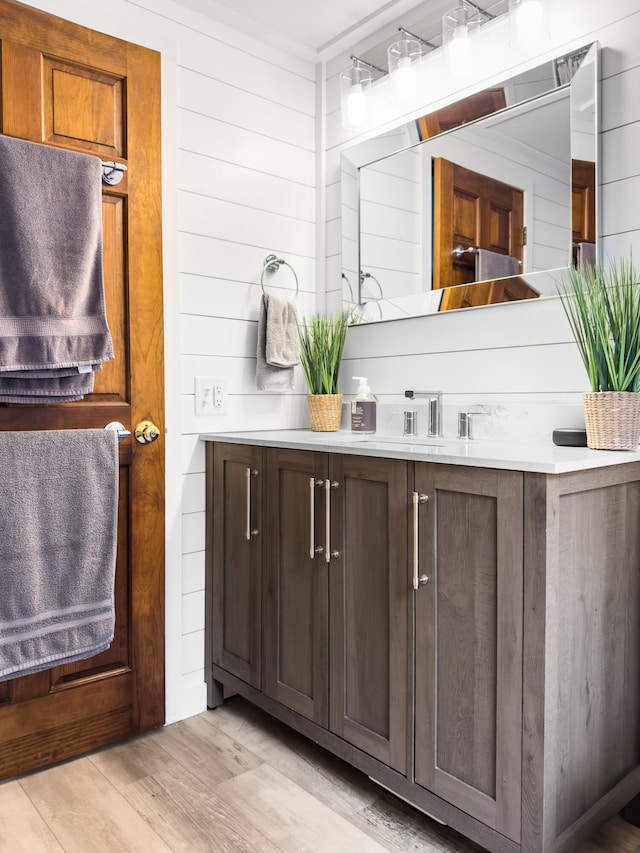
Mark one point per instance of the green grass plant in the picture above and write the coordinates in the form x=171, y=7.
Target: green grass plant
x=322, y=340
x=602, y=305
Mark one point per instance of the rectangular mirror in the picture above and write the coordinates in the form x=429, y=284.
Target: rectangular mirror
x=485, y=201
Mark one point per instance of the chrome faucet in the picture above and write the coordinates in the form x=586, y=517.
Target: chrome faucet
x=434, y=422
x=465, y=424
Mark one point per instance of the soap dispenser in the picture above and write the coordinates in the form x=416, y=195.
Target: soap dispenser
x=363, y=408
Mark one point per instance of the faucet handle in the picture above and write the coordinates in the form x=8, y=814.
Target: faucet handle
x=410, y=423
x=465, y=424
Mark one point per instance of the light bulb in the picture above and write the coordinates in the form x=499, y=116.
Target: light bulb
x=402, y=59
x=459, y=27
x=530, y=14
x=404, y=78
x=460, y=52
x=530, y=23
x=356, y=105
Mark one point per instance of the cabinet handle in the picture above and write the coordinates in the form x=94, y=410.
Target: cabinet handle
x=418, y=579
x=249, y=473
x=328, y=485
x=313, y=483
x=327, y=521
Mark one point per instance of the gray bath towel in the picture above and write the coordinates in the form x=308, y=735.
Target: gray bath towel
x=491, y=265
x=73, y=387
x=58, y=532
x=586, y=256
x=52, y=311
x=269, y=377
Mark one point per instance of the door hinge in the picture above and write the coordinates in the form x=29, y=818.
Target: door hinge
x=524, y=235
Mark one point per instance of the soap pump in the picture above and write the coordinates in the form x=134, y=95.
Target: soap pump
x=363, y=408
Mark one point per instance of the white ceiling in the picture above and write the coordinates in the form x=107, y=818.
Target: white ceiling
x=311, y=29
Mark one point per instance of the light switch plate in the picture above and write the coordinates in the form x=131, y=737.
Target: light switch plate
x=210, y=395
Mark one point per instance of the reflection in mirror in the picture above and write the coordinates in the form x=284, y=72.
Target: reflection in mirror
x=485, y=201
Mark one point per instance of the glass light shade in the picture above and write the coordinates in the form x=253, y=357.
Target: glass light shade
x=528, y=22
x=402, y=59
x=355, y=84
x=459, y=26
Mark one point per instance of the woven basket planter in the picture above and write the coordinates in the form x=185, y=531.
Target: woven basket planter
x=612, y=419
x=325, y=412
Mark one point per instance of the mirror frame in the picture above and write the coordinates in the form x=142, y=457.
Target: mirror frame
x=375, y=148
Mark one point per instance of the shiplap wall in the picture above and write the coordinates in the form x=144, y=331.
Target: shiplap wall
x=521, y=351
x=246, y=188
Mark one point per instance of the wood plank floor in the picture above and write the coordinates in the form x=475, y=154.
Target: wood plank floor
x=228, y=780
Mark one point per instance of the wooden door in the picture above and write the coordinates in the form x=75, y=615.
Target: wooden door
x=462, y=112
x=468, y=666
x=369, y=594
x=67, y=86
x=471, y=210
x=236, y=544
x=296, y=629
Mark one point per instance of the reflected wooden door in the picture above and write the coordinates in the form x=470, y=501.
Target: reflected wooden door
x=67, y=86
x=470, y=209
x=583, y=204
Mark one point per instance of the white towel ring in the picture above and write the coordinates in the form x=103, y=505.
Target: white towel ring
x=272, y=263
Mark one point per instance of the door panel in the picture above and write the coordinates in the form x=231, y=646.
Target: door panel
x=64, y=85
x=296, y=631
x=469, y=642
x=471, y=209
x=369, y=590
x=237, y=543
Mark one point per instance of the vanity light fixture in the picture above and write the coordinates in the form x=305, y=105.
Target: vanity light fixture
x=528, y=22
x=403, y=57
x=459, y=25
x=355, y=84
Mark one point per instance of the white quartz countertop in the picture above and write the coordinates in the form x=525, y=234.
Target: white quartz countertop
x=541, y=457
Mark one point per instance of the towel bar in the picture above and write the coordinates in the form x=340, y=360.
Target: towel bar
x=122, y=431
x=272, y=263
x=459, y=251
x=112, y=172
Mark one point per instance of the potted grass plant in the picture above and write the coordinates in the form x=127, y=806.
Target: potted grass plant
x=322, y=340
x=602, y=305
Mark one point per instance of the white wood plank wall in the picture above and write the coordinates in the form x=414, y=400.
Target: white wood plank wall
x=246, y=188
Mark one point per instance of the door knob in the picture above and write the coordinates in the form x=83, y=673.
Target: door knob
x=146, y=432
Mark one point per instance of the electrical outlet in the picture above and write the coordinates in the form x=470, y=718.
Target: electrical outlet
x=210, y=395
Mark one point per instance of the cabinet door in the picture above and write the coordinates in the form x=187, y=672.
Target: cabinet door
x=296, y=659
x=468, y=720
x=369, y=593
x=237, y=560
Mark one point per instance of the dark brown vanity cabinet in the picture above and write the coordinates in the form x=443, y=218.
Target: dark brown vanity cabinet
x=468, y=617
x=468, y=637
x=335, y=632
x=310, y=605
x=234, y=541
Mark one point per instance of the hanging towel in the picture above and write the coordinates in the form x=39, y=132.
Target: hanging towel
x=586, y=256
x=490, y=265
x=268, y=376
x=282, y=343
x=52, y=310
x=63, y=388
x=58, y=532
